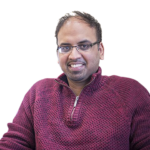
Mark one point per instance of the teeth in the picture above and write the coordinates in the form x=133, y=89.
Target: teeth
x=76, y=65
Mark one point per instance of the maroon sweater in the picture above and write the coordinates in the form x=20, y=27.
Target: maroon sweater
x=111, y=113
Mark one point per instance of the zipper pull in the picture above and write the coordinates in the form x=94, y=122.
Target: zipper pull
x=75, y=103
x=76, y=100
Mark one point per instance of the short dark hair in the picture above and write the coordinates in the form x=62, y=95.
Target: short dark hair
x=90, y=20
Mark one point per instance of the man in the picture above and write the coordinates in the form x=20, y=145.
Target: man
x=81, y=109
x=82, y=62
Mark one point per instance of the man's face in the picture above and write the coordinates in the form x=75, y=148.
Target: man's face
x=79, y=65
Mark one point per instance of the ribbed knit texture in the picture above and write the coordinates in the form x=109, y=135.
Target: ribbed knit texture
x=112, y=113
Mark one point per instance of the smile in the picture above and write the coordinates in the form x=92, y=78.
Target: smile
x=76, y=67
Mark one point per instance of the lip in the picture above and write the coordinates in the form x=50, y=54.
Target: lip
x=76, y=69
x=75, y=63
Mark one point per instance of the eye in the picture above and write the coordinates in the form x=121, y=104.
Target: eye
x=84, y=46
x=65, y=49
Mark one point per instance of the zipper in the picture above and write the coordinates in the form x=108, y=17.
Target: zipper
x=74, y=106
x=76, y=99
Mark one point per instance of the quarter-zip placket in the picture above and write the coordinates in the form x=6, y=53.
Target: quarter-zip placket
x=76, y=99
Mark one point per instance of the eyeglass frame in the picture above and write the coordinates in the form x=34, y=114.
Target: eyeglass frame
x=77, y=47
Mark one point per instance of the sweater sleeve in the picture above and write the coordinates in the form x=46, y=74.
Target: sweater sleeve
x=140, y=126
x=20, y=135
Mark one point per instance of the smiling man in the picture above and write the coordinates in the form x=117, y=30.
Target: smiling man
x=81, y=109
x=79, y=52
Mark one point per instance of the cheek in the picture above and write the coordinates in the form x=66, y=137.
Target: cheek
x=88, y=59
x=62, y=60
x=92, y=58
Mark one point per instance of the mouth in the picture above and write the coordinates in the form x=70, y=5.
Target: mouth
x=76, y=66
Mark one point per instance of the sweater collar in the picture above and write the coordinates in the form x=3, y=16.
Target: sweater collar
x=62, y=79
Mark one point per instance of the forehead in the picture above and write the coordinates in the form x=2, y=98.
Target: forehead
x=75, y=30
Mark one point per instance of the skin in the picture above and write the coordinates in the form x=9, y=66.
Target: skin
x=73, y=32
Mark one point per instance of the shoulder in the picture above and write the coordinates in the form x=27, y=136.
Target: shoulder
x=127, y=88
x=43, y=84
x=119, y=82
x=125, y=84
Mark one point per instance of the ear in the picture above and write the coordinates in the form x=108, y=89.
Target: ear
x=101, y=51
x=57, y=61
x=57, y=57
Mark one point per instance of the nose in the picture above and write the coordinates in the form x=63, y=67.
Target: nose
x=74, y=54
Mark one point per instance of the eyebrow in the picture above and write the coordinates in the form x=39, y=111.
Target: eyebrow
x=84, y=41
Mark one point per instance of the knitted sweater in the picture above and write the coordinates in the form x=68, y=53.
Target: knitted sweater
x=111, y=113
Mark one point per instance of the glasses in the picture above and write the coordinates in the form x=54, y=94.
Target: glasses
x=81, y=47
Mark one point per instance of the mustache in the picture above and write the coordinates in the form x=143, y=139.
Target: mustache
x=76, y=61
